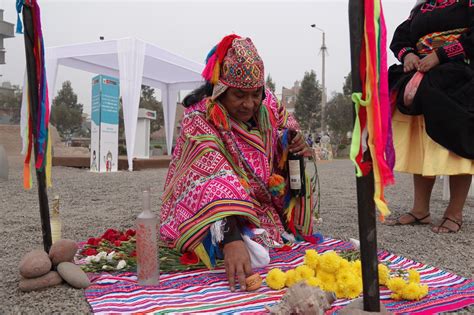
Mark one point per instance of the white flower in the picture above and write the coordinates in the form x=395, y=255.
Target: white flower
x=121, y=264
x=102, y=255
x=110, y=256
x=95, y=258
x=89, y=259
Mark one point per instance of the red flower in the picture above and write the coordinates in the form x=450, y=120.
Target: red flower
x=89, y=252
x=284, y=248
x=133, y=254
x=123, y=237
x=130, y=232
x=118, y=243
x=189, y=258
x=93, y=241
x=111, y=235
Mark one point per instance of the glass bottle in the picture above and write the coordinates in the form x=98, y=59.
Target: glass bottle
x=148, y=268
x=296, y=170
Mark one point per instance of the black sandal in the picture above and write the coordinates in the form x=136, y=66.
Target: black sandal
x=417, y=221
x=449, y=230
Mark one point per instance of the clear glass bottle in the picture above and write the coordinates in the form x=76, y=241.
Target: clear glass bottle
x=55, y=221
x=148, y=268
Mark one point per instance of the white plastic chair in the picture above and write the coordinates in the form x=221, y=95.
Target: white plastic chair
x=446, y=188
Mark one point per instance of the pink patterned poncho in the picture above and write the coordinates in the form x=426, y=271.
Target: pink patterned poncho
x=217, y=173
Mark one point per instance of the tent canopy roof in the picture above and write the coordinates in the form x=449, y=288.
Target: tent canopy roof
x=101, y=57
x=134, y=62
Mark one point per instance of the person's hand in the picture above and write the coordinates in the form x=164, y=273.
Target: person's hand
x=237, y=263
x=429, y=62
x=410, y=62
x=298, y=145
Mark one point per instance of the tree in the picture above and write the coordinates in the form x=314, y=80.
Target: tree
x=11, y=103
x=66, y=112
x=308, y=103
x=270, y=84
x=149, y=101
x=339, y=114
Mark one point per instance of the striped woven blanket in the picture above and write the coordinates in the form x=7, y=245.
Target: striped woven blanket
x=204, y=291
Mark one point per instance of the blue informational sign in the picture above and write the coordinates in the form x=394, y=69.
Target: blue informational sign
x=104, y=123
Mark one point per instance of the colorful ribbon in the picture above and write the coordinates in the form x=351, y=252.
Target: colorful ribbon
x=372, y=128
x=40, y=139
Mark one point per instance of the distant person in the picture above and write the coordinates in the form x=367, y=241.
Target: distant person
x=433, y=88
x=309, y=140
x=224, y=180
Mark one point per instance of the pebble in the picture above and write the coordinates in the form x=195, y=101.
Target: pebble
x=50, y=279
x=35, y=264
x=73, y=275
x=63, y=251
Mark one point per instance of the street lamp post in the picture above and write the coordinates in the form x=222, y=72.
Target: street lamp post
x=323, y=52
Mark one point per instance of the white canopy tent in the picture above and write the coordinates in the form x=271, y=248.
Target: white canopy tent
x=135, y=62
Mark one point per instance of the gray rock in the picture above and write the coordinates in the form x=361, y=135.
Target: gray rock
x=3, y=163
x=50, y=279
x=73, y=275
x=63, y=250
x=35, y=264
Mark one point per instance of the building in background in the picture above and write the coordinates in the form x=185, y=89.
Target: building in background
x=6, y=31
x=288, y=96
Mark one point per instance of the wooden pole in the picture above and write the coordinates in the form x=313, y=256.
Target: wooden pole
x=365, y=184
x=34, y=99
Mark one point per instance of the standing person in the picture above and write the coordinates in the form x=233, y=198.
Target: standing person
x=433, y=91
x=224, y=193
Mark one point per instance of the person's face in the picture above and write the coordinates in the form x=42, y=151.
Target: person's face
x=242, y=104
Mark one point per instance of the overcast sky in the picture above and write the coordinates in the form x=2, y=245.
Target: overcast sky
x=280, y=30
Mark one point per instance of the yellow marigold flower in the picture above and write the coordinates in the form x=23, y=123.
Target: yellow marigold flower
x=384, y=274
x=396, y=284
x=411, y=291
x=292, y=277
x=423, y=291
x=414, y=291
x=340, y=292
x=313, y=281
x=345, y=264
x=305, y=272
x=276, y=279
x=396, y=296
x=311, y=259
x=344, y=276
x=330, y=262
x=353, y=289
x=357, y=267
x=413, y=276
x=327, y=280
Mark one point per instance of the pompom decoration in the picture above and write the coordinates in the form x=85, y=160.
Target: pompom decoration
x=244, y=183
x=276, y=184
x=284, y=144
x=215, y=114
x=215, y=57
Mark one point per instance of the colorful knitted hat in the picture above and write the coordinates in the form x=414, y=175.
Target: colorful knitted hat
x=234, y=62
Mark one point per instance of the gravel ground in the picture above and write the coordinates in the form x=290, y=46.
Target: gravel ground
x=91, y=203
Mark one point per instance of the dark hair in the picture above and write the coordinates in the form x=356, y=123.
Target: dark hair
x=198, y=94
x=203, y=91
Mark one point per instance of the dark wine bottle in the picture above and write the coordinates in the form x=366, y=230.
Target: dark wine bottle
x=296, y=171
